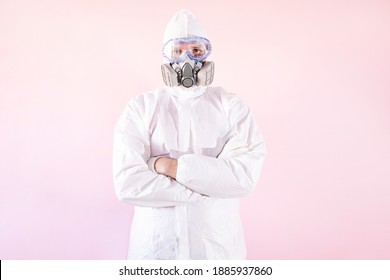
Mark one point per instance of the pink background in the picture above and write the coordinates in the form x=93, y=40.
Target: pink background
x=315, y=73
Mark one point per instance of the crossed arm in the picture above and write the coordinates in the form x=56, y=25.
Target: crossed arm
x=191, y=177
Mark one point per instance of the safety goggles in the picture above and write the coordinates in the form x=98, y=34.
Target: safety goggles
x=196, y=48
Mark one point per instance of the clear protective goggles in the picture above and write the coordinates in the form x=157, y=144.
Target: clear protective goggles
x=196, y=48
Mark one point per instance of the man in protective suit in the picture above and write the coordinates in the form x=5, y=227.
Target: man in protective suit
x=184, y=154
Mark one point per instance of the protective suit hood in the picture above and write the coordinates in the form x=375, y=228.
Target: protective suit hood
x=183, y=24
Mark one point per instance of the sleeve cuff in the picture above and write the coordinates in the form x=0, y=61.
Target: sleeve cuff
x=183, y=175
x=152, y=162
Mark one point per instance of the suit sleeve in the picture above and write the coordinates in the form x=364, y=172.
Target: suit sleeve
x=236, y=170
x=134, y=182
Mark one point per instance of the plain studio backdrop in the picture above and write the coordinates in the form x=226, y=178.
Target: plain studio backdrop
x=316, y=75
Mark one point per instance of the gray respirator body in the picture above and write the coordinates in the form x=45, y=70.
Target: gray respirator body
x=188, y=73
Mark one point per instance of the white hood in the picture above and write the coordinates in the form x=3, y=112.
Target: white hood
x=183, y=24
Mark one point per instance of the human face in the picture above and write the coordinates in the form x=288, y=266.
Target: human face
x=196, y=48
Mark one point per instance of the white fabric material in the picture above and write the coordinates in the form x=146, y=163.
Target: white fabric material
x=152, y=163
x=183, y=24
x=220, y=153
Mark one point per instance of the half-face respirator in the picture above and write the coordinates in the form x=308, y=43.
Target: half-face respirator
x=187, y=66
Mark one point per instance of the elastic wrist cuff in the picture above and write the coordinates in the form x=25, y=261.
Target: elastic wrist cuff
x=152, y=162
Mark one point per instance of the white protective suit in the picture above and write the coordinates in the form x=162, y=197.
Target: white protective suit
x=220, y=153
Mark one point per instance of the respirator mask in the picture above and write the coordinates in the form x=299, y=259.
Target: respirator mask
x=187, y=66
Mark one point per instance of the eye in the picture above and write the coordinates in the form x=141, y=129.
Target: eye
x=197, y=52
x=176, y=52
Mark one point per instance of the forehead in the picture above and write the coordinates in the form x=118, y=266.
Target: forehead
x=182, y=44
